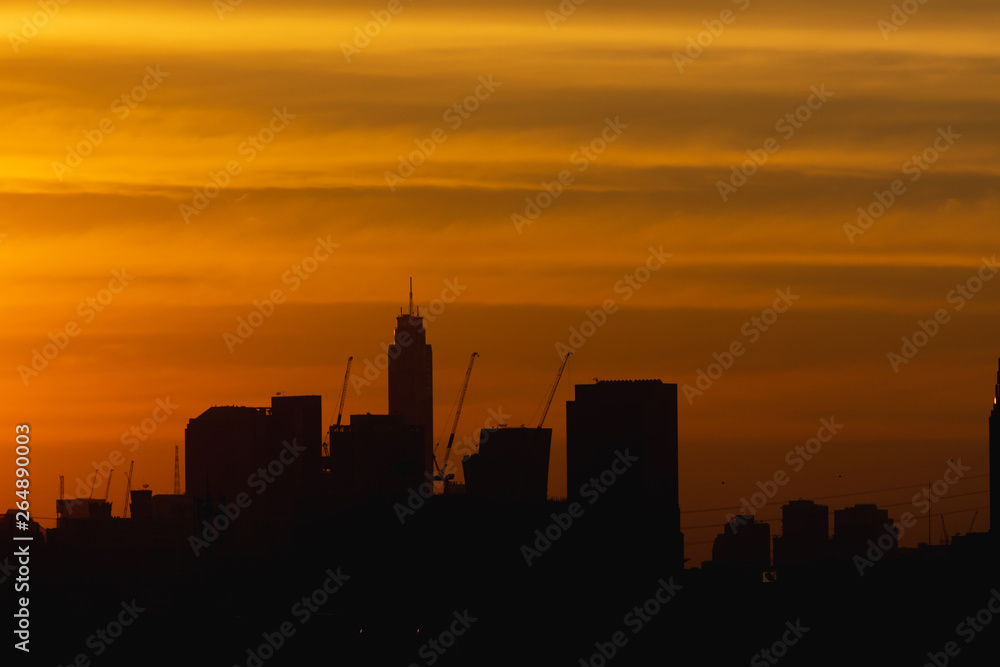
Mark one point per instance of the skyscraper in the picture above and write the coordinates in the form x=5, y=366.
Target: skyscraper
x=411, y=387
x=995, y=463
x=375, y=457
x=632, y=418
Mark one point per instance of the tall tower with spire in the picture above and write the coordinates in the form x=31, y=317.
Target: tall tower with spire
x=995, y=464
x=411, y=386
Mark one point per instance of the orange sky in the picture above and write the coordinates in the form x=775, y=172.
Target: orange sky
x=320, y=172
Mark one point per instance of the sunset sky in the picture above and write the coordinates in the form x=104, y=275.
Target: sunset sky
x=117, y=117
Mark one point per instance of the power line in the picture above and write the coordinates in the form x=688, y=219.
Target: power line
x=836, y=495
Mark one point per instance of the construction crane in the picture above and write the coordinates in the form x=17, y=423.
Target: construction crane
x=552, y=392
x=128, y=489
x=972, y=523
x=343, y=391
x=107, y=489
x=177, y=471
x=442, y=469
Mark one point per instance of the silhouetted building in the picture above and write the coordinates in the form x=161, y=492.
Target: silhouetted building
x=9, y=528
x=375, y=456
x=855, y=527
x=608, y=419
x=298, y=419
x=805, y=528
x=141, y=504
x=222, y=446
x=178, y=510
x=411, y=386
x=995, y=464
x=744, y=543
x=230, y=450
x=68, y=509
x=511, y=463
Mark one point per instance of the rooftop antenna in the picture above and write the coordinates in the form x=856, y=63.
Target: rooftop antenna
x=411, y=296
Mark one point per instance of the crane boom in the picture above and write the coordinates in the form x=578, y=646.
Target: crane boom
x=128, y=489
x=343, y=391
x=552, y=393
x=458, y=413
x=107, y=489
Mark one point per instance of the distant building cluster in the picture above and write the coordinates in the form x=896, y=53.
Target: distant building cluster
x=621, y=450
x=235, y=453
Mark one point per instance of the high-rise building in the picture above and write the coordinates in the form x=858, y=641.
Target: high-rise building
x=512, y=463
x=299, y=418
x=411, y=386
x=230, y=450
x=375, y=457
x=222, y=447
x=611, y=422
x=995, y=464
x=805, y=528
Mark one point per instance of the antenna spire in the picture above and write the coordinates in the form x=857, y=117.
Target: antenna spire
x=411, y=296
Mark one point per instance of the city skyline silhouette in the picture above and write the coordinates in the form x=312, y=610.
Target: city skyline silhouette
x=549, y=332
